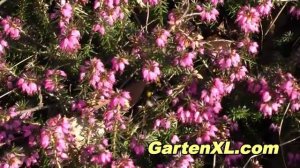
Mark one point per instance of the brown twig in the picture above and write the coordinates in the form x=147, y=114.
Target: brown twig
x=277, y=16
x=30, y=110
x=2, y=2
x=7, y=93
x=254, y=156
x=289, y=141
x=279, y=132
x=147, y=18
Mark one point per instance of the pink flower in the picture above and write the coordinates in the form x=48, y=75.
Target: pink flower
x=173, y=18
x=293, y=159
x=248, y=19
x=251, y=46
x=208, y=133
x=118, y=63
x=70, y=43
x=120, y=100
x=57, y=137
x=78, y=105
x=137, y=147
x=151, y=71
x=183, y=42
x=266, y=109
x=266, y=96
x=3, y=46
x=103, y=158
x=124, y=162
x=274, y=127
x=12, y=161
x=295, y=106
x=27, y=86
x=96, y=4
x=93, y=70
x=66, y=11
x=186, y=60
x=53, y=79
x=227, y=59
x=174, y=139
x=112, y=15
x=12, y=27
x=162, y=123
x=112, y=117
x=208, y=13
x=182, y=161
x=216, y=2
x=31, y=160
x=45, y=139
x=295, y=11
x=239, y=74
x=151, y=2
x=162, y=38
x=99, y=29
x=264, y=7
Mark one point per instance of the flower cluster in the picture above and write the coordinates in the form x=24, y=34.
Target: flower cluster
x=151, y=2
x=250, y=46
x=28, y=85
x=11, y=27
x=269, y=104
x=286, y=90
x=184, y=42
x=119, y=63
x=293, y=159
x=97, y=154
x=53, y=78
x=123, y=162
x=248, y=19
x=264, y=8
x=186, y=60
x=137, y=145
x=13, y=129
x=172, y=72
x=3, y=46
x=208, y=12
x=68, y=36
x=114, y=117
x=162, y=37
x=291, y=90
x=163, y=123
x=295, y=11
x=97, y=76
x=151, y=71
x=232, y=160
x=69, y=42
x=226, y=59
x=108, y=12
x=184, y=161
x=57, y=138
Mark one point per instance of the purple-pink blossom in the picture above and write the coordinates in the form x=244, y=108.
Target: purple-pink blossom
x=295, y=11
x=264, y=7
x=208, y=13
x=119, y=63
x=151, y=71
x=69, y=43
x=248, y=19
x=28, y=86
x=11, y=27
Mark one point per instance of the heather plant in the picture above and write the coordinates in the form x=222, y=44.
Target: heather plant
x=91, y=83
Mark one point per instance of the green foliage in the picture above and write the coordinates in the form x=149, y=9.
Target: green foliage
x=244, y=114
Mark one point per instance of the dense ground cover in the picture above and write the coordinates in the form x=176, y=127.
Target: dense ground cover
x=92, y=83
